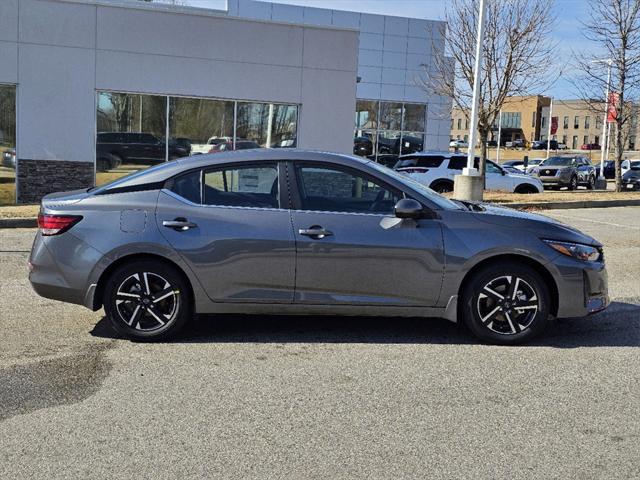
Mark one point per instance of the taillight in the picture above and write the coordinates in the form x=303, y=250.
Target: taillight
x=413, y=170
x=56, y=224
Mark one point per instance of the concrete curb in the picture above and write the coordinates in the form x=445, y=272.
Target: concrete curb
x=23, y=222
x=32, y=222
x=570, y=205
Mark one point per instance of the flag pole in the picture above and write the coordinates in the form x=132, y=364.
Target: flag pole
x=549, y=127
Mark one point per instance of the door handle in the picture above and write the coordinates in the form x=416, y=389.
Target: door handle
x=179, y=224
x=315, y=231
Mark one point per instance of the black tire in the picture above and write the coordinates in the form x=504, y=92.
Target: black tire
x=591, y=184
x=103, y=164
x=526, y=189
x=143, y=316
x=442, y=186
x=573, y=183
x=514, y=319
x=117, y=160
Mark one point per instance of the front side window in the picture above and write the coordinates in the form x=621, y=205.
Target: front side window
x=492, y=168
x=328, y=189
x=242, y=186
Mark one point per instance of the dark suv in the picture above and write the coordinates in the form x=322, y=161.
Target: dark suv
x=115, y=148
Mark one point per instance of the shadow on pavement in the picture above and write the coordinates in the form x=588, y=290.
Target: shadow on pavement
x=618, y=326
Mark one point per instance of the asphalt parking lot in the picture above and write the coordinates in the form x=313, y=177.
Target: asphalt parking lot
x=293, y=397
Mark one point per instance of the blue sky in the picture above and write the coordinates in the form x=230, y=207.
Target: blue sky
x=569, y=14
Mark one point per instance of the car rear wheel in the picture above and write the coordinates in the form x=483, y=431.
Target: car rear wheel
x=147, y=300
x=506, y=304
x=441, y=186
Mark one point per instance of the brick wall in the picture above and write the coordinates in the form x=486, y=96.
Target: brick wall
x=37, y=178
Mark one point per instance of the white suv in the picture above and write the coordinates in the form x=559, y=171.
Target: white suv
x=437, y=170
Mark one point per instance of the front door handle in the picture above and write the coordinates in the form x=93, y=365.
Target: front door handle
x=315, y=231
x=179, y=224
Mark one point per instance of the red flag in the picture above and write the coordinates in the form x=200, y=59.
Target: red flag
x=554, y=125
x=612, y=110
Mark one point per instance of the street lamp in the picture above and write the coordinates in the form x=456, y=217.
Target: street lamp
x=468, y=186
x=601, y=182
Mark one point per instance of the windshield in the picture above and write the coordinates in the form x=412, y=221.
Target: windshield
x=436, y=198
x=557, y=162
x=635, y=165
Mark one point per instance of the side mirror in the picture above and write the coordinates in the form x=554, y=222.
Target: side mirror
x=408, y=208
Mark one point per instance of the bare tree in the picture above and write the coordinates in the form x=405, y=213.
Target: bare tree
x=516, y=57
x=614, y=28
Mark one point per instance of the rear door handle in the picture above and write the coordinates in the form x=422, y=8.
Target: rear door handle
x=315, y=231
x=179, y=224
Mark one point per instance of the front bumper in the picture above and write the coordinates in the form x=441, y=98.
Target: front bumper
x=554, y=181
x=634, y=185
x=582, y=287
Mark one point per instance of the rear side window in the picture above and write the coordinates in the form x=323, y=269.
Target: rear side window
x=188, y=186
x=458, y=163
x=250, y=186
x=425, y=161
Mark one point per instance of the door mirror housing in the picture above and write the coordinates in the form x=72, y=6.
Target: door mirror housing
x=408, y=208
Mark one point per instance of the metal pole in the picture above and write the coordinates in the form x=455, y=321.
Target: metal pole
x=499, y=133
x=549, y=127
x=476, y=92
x=604, y=123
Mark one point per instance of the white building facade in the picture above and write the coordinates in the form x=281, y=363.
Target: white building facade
x=91, y=90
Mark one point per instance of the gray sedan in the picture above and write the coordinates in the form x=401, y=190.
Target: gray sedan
x=299, y=232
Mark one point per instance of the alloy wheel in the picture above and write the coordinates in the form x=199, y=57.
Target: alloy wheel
x=507, y=305
x=146, y=301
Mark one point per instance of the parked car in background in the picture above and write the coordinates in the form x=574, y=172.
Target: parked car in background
x=590, y=146
x=297, y=232
x=492, y=143
x=458, y=144
x=533, y=163
x=542, y=145
x=9, y=158
x=183, y=143
x=115, y=148
x=437, y=170
x=228, y=146
x=631, y=178
x=570, y=172
x=200, y=148
x=626, y=165
x=510, y=169
x=562, y=146
x=516, y=164
x=609, y=169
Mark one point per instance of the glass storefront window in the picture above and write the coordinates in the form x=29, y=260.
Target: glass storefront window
x=266, y=125
x=390, y=116
x=132, y=129
x=131, y=134
x=366, y=114
x=381, y=128
x=199, y=125
x=8, y=157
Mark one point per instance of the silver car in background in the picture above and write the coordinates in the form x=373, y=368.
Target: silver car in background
x=288, y=231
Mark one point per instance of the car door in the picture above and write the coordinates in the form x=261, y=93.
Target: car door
x=496, y=180
x=232, y=225
x=351, y=250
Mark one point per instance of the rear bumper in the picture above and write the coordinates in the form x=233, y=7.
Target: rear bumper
x=65, y=276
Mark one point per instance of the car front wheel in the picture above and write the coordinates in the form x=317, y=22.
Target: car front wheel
x=147, y=300
x=573, y=183
x=506, y=303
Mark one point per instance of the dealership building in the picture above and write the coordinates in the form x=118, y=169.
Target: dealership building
x=91, y=90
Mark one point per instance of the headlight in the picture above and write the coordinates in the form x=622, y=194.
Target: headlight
x=578, y=251
x=535, y=170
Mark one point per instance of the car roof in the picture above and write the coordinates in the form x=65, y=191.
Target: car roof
x=432, y=153
x=164, y=171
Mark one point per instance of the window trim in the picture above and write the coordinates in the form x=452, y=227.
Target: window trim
x=295, y=182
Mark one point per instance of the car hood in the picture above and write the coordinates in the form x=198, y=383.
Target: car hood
x=632, y=174
x=539, y=225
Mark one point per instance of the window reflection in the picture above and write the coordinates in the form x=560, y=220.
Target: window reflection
x=7, y=144
x=266, y=125
x=199, y=124
x=386, y=130
x=131, y=134
x=132, y=129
